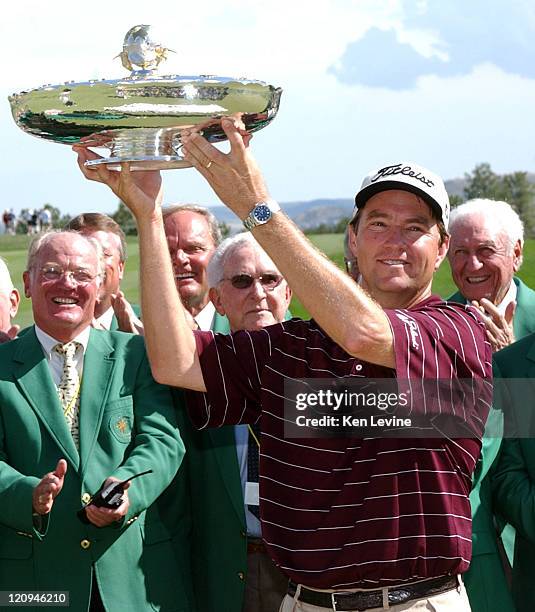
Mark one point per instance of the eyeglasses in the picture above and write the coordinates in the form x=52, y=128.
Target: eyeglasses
x=269, y=281
x=80, y=276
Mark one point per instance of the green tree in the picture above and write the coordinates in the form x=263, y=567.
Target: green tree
x=482, y=182
x=224, y=228
x=125, y=219
x=340, y=227
x=514, y=188
x=64, y=220
x=520, y=193
x=455, y=200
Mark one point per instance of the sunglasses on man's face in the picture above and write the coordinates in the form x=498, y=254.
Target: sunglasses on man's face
x=243, y=281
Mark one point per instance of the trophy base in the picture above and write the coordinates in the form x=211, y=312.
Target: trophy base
x=162, y=162
x=143, y=148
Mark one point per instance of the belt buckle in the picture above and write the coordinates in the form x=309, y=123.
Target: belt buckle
x=342, y=593
x=333, y=600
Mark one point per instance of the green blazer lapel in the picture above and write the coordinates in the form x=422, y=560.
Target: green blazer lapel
x=97, y=375
x=224, y=444
x=457, y=297
x=524, y=318
x=220, y=324
x=32, y=375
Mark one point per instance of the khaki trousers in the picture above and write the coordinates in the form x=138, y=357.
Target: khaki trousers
x=454, y=600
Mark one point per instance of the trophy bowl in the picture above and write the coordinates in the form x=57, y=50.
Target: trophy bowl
x=139, y=118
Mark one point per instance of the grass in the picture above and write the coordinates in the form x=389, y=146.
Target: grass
x=14, y=248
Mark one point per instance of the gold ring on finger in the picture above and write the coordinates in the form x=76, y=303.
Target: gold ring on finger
x=208, y=164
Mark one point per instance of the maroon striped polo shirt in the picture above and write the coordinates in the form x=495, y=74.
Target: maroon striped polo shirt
x=354, y=512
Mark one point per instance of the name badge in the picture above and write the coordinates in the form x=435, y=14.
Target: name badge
x=252, y=495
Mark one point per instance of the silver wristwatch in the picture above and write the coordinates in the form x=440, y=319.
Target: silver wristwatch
x=261, y=213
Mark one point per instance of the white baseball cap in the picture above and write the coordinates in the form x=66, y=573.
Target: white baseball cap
x=406, y=176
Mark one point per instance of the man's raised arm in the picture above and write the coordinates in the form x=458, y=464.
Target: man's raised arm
x=348, y=315
x=168, y=335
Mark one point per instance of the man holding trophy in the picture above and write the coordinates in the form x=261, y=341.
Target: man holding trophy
x=354, y=523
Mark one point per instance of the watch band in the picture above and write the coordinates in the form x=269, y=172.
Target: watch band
x=260, y=214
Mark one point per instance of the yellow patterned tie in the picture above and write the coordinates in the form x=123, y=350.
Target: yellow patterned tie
x=69, y=388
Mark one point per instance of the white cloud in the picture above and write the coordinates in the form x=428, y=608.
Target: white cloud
x=259, y=39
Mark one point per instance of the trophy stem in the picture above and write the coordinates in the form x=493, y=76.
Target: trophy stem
x=144, y=148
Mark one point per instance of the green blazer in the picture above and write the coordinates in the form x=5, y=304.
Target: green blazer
x=514, y=477
x=127, y=425
x=485, y=580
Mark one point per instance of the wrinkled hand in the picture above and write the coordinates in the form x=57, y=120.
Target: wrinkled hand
x=234, y=176
x=10, y=334
x=141, y=190
x=102, y=517
x=49, y=488
x=126, y=317
x=499, y=327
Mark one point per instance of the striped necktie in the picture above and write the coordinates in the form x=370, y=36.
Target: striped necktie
x=69, y=388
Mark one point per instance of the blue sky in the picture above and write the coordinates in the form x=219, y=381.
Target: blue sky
x=446, y=83
x=461, y=35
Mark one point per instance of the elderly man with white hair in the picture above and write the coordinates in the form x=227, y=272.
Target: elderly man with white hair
x=9, y=304
x=245, y=284
x=487, y=239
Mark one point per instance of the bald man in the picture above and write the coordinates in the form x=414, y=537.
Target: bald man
x=9, y=305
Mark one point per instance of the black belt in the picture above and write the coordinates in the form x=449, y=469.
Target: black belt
x=364, y=600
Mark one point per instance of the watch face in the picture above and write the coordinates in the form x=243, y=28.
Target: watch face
x=262, y=213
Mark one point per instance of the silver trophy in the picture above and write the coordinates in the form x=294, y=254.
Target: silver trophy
x=139, y=118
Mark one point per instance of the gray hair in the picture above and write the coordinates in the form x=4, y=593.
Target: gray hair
x=213, y=224
x=42, y=240
x=98, y=222
x=215, y=270
x=501, y=214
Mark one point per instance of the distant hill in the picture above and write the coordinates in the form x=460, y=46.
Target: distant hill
x=311, y=213
x=305, y=214
x=455, y=186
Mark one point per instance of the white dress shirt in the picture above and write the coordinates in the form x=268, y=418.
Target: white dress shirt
x=55, y=361
x=105, y=318
x=510, y=296
x=205, y=318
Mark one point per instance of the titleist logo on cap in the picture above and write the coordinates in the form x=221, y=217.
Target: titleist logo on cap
x=405, y=170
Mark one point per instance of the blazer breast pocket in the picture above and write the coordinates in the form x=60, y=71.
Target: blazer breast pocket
x=120, y=417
